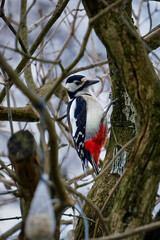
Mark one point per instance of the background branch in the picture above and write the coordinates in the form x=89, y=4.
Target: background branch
x=153, y=38
x=22, y=114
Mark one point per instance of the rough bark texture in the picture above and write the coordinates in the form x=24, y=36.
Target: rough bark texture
x=26, y=114
x=133, y=79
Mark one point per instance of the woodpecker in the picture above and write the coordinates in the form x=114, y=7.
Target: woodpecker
x=86, y=121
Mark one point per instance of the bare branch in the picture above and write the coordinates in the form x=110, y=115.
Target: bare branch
x=2, y=15
x=105, y=11
x=9, y=171
x=37, y=102
x=153, y=38
x=59, y=8
x=88, y=67
x=22, y=32
x=22, y=114
x=11, y=231
x=92, y=205
x=142, y=229
x=75, y=61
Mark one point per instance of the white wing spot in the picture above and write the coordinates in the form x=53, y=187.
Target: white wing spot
x=72, y=118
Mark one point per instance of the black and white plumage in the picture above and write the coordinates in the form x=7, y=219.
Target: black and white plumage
x=86, y=120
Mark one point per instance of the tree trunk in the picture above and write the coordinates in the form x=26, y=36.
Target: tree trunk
x=134, y=79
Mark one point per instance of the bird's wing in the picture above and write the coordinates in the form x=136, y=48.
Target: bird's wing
x=76, y=114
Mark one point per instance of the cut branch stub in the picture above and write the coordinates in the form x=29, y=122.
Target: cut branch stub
x=25, y=160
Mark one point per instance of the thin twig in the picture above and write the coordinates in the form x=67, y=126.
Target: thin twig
x=109, y=105
x=27, y=55
x=12, y=230
x=9, y=171
x=105, y=10
x=112, y=161
x=79, y=177
x=72, y=30
x=75, y=61
x=10, y=218
x=58, y=10
x=6, y=181
x=149, y=13
x=77, y=216
x=38, y=103
x=138, y=15
x=8, y=104
x=92, y=205
x=14, y=192
x=88, y=67
x=2, y=15
x=36, y=24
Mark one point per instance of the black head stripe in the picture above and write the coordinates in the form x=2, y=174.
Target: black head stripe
x=74, y=77
x=73, y=94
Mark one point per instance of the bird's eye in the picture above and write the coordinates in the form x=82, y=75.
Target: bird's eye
x=77, y=83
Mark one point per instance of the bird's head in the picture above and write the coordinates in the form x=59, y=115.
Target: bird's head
x=78, y=83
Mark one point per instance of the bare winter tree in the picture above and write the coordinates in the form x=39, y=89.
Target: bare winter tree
x=41, y=46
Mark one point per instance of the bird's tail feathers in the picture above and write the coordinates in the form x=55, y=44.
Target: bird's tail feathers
x=85, y=165
x=93, y=163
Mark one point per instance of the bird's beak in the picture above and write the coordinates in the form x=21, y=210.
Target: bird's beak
x=90, y=82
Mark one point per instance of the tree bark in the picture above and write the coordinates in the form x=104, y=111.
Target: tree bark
x=133, y=77
x=21, y=114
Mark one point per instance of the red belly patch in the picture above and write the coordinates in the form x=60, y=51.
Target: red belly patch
x=95, y=144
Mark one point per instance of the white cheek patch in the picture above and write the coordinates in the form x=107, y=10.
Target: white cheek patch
x=72, y=87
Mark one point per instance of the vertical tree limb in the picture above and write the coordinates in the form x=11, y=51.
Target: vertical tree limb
x=131, y=71
x=24, y=36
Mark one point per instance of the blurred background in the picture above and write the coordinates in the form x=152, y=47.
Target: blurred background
x=62, y=43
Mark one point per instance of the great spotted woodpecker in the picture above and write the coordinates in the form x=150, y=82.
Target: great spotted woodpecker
x=86, y=120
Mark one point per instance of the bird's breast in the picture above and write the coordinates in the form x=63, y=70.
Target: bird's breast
x=94, y=117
